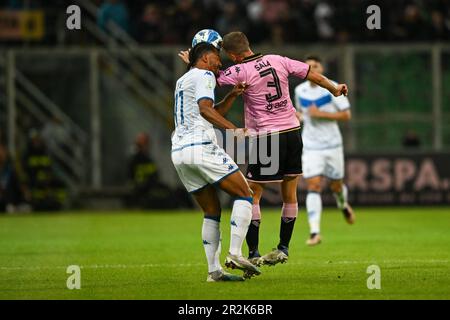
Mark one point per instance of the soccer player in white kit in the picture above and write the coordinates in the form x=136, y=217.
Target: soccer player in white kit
x=201, y=164
x=323, y=154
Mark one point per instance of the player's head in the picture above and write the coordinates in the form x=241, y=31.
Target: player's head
x=205, y=56
x=316, y=63
x=235, y=44
x=142, y=141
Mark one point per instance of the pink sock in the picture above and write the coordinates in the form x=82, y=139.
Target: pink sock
x=256, y=212
x=290, y=210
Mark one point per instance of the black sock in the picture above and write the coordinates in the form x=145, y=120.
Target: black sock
x=286, y=229
x=253, y=237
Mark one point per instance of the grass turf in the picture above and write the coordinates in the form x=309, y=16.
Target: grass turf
x=159, y=255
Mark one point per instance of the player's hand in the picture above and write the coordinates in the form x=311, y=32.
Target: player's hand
x=241, y=132
x=341, y=89
x=313, y=111
x=299, y=116
x=239, y=89
x=184, y=55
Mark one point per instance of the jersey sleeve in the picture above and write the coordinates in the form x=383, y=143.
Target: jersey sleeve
x=296, y=68
x=230, y=76
x=205, y=85
x=342, y=103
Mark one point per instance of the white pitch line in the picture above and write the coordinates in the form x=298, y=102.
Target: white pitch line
x=107, y=266
x=189, y=265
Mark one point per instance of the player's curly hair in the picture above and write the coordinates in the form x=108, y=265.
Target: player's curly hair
x=198, y=51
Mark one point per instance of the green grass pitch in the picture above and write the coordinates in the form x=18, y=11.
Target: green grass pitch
x=159, y=255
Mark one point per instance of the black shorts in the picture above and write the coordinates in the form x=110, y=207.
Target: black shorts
x=275, y=156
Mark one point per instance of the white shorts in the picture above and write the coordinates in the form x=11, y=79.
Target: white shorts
x=200, y=165
x=328, y=163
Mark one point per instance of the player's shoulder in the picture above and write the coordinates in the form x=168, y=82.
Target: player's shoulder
x=203, y=73
x=274, y=57
x=233, y=70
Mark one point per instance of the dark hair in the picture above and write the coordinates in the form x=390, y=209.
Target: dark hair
x=235, y=42
x=198, y=51
x=313, y=57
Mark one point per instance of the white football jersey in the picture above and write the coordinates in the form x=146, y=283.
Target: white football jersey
x=319, y=134
x=190, y=126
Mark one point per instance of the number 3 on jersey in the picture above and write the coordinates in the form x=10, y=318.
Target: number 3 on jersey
x=272, y=84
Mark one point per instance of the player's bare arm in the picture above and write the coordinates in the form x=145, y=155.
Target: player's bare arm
x=208, y=112
x=324, y=82
x=225, y=105
x=314, y=112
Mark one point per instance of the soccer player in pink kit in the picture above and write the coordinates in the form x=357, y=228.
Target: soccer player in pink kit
x=269, y=110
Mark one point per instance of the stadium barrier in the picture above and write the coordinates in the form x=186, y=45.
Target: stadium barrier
x=388, y=179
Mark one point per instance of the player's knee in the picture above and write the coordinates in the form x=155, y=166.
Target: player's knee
x=257, y=192
x=242, y=190
x=336, y=186
x=314, y=187
x=213, y=210
x=257, y=197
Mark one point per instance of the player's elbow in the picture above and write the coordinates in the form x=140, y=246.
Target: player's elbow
x=205, y=111
x=347, y=115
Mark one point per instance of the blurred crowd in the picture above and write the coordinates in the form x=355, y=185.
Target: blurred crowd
x=29, y=183
x=288, y=21
x=273, y=22
x=144, y=178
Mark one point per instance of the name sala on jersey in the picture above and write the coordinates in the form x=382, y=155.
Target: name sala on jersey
x=262, y=65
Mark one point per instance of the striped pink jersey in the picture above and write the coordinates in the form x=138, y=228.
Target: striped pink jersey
x=267, y=102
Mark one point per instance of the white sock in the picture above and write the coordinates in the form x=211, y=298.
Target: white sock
x=218, y=251
x=211, y=243
x=314, y=209
x=341, y=198
x=241, y=217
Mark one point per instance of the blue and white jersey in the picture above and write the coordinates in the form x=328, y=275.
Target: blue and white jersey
x=190, y=126
x=319, y=134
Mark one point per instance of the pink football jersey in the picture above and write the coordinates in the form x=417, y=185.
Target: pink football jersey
x=267, y=102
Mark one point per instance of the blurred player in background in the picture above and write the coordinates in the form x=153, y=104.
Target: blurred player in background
x=268, y=111
x=323, y=154
x=201, y=163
